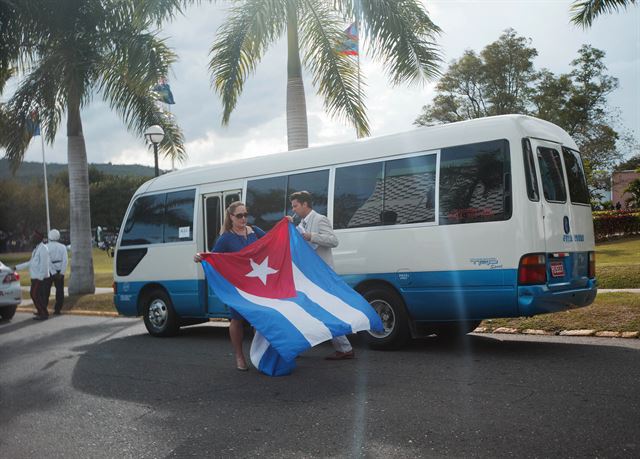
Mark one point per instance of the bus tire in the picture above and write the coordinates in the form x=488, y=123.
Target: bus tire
x=159, y=316
x=456, y=330
x=390, y=307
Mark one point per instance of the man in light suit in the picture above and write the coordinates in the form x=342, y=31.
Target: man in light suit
x=317, y=230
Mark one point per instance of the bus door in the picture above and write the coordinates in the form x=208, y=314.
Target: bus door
x=214, y=206
x=556, y=213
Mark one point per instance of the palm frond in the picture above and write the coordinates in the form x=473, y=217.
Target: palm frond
x=335, y=75
x=241, y=43
x=586, y=11
x=401, y=35
x=39, y=90
x=128, y=74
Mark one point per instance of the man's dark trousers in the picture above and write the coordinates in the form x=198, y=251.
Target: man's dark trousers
x=58, y=281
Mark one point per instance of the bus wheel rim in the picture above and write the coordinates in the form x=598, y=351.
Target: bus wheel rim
x=387, y=316
x=158, y=313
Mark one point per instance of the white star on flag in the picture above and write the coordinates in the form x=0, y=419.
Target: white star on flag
x=261, y=270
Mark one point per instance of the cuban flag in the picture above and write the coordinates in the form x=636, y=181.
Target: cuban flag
x=289, y=294
x=349, y=44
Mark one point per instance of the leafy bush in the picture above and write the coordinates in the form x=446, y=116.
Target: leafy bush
x=610, y=223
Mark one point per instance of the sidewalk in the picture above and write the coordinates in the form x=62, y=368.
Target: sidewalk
x=99, y=290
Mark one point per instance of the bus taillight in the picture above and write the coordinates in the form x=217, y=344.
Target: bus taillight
x=592, y=265
x=532, y=269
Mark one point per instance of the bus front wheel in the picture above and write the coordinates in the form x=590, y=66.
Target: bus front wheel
x=159, y=316
x=390, y=307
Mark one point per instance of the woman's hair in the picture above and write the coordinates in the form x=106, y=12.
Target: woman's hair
x=228, y=224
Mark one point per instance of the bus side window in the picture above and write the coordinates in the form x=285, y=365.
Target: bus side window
x=553, y=185
x=178, y=221
x=357, y=200
x=530, y=171
x=266, y=201
x=316, y=183
x=213, y=212
x=578, y=190
x=145, y=221
x=409, y=189
x=475, y=183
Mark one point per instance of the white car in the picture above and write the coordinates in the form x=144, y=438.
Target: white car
x=10, y=293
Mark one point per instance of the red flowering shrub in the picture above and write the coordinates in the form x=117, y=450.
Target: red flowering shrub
x=609, y=223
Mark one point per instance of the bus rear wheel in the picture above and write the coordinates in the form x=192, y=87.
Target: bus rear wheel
x=159, y=315
x=390, y=307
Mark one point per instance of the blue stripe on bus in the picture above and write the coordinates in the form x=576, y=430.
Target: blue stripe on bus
x=429, y=296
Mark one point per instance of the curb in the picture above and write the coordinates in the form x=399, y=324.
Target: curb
x=528, y=331
x=77, y=313
x=499, y=330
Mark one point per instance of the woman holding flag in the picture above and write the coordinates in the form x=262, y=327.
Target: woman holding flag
x=235, y=235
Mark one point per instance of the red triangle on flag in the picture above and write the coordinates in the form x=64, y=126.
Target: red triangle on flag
x=262, y=268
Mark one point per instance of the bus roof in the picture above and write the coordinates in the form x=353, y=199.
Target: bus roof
x=419, y=139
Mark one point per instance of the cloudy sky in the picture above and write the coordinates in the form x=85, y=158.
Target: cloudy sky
x=258, y=124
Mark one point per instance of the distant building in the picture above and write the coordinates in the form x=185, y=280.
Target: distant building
x=619, y=182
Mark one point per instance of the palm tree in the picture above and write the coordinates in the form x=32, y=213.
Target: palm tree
x=67, y=51
x=400, y=35
x=585, y=11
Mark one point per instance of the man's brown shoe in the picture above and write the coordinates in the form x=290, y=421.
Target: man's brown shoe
x=341, y=355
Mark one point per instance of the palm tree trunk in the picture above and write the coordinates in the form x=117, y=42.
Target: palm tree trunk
x=82, y=279
x=297, y=131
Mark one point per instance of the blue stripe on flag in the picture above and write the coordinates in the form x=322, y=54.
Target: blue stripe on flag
x=266, y=359
x=317, y=271
x=283, y=335
x=335, y=325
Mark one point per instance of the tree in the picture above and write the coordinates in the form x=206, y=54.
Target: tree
x=631, y=164
x=401, y=35
x=496, y=82
x=586, y=11
x=633, y=189
x=67, y=51
x=502, y=79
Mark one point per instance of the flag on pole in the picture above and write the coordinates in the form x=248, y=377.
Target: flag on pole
x=292, y=298
x=164, y=92
x=33, y=123
x=349, y=45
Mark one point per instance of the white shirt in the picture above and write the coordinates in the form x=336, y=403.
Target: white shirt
x=58, y=257
x=39, y=263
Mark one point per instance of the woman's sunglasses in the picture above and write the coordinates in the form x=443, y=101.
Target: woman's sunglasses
x=241, y=215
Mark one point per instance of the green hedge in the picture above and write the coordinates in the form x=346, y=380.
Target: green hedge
x=613, y=223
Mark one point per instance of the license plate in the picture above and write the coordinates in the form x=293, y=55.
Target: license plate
x=557, y=269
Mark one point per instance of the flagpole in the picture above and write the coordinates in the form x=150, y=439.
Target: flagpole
x=46, y=188
x=358, y=61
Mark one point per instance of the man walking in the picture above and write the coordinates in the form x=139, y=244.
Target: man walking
x=57, y=267
x=317, y=230
x=38, y=267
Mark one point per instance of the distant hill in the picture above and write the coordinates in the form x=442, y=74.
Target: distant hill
x=32, y=170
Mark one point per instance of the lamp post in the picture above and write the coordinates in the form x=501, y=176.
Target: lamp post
x=154, y=135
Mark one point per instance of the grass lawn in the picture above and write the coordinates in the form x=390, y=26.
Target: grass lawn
x=102, y=267
x=609, y=312
x=618, y=263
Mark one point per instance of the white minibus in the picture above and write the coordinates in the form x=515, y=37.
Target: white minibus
x=438, y=227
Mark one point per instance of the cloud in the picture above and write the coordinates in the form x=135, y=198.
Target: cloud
x=258, y=126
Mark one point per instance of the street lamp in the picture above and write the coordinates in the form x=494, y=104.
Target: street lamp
x=154, y=134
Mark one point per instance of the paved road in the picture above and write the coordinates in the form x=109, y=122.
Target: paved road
x=78, y=387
